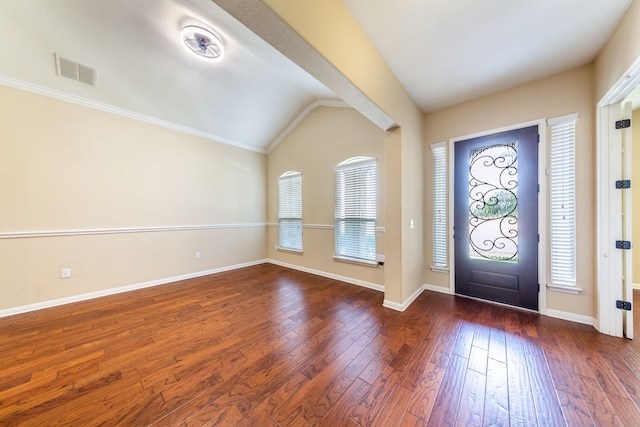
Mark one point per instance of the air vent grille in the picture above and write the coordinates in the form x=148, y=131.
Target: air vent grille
x=76, y=71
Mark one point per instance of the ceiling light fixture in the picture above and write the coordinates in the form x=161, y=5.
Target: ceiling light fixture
x=202, y=43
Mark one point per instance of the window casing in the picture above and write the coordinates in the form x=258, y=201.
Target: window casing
x=562, y=216
x=355, y=210
x=439, y=152
x=290, y=211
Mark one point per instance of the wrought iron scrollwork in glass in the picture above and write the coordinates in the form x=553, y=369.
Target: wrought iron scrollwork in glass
x=493, y=202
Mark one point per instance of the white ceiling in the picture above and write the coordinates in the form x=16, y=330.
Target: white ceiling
x=443, y=51
x=449, y=51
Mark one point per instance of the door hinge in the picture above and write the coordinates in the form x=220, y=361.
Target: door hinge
x=623, y=124
x=623, y=244
x=623, y=305
x=623, y=183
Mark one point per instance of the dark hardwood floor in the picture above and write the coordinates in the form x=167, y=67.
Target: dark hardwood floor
x=266, y=346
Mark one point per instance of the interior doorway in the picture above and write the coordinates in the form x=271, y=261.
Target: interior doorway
x=615, y=225
x=634, y=98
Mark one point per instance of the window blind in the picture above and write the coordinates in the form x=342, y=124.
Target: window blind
x=562, y=203
x=355, y=210
x=439, y=204
x=290, y=211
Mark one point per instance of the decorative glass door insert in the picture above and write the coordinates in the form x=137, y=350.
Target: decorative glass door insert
x=493, y=202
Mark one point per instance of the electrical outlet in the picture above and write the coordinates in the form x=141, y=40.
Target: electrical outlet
x=65, y=273
x=197, y=256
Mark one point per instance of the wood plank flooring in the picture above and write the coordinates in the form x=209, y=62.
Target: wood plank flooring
x=268, y=346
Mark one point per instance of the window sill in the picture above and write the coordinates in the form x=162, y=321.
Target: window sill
x=564, y=289
x=439, y=269
x=356, y=261
x=291, y=251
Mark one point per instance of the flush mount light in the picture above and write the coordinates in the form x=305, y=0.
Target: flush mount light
x=202, y=43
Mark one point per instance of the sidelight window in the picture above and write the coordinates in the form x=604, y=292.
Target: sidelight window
x=439, y=152
x=563, y=201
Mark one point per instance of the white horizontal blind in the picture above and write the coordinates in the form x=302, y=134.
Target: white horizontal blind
x=439, y=204
x=355, y=213
x=562, y=205
x=290, y=211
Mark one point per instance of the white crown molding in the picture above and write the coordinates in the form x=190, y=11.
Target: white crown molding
x=302, y=115
x=113, y=291
x=624, y=86
x=95, y=231
x=78, y=100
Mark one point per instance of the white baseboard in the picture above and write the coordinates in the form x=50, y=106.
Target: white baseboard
x=572, y=317
x=402, y=307
x=113, y=291
x=440, y=289
x=636, y=286
x=353, y=281
x=587, y=320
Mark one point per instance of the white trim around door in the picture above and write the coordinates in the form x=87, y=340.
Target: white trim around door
x=609, y=166
x=542, y=197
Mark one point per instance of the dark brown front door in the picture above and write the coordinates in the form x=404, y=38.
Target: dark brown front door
x=496, y=217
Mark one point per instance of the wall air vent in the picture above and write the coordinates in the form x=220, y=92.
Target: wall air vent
x=74, y=70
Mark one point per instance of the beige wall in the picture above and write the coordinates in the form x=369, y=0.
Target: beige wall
x=565, y=93
x=66, y=167
x=330, y=30
x=326, y=137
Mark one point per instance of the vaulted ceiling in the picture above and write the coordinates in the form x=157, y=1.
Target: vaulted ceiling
x=246, y=99
x=443, y=51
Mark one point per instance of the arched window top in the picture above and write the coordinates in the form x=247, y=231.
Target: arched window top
x=290, y=174
x=353, y=162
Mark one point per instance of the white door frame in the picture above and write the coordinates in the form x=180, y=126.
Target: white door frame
x=609, y=168
x=542, y=197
